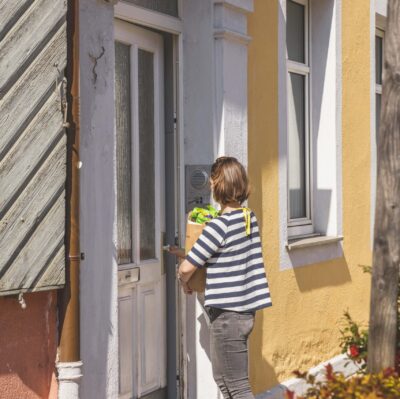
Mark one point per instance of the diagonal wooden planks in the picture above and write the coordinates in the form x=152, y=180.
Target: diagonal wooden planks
x=33, y=48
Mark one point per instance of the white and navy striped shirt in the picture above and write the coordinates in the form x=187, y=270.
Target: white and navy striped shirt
x=236, y=277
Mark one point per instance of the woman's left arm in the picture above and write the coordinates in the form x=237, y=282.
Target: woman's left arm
x=185, y=271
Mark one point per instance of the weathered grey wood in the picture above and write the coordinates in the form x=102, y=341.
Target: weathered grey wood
x=10, y=12
x=30, y=148
x=29, y=33
x=34, y=200
x=33, y=54
x=386, y=256
x=8, y=9
x=26, y=95
x=36, y=252
x=55, y=271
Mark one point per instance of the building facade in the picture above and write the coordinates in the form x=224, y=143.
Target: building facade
x=289, y=87
x=314, y=91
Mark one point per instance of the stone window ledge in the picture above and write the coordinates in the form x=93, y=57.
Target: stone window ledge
x=311, y=241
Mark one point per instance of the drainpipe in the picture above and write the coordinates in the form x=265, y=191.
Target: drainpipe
x=69, y=364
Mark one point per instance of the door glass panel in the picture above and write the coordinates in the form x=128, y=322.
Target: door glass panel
x=295, y=31
x=146, y=154
x=124, y=163
x=297, y=147
x=164, y=6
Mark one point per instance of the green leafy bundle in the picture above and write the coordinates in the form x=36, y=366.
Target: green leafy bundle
x=203, y=215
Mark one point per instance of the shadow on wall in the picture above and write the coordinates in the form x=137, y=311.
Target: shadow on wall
x=260, y=368
x=328, y=274
x=28, y=346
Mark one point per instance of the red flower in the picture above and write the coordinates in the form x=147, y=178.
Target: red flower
x=354, y=350
x=289, y=394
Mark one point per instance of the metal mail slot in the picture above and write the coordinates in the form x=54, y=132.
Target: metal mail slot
x=128, y=276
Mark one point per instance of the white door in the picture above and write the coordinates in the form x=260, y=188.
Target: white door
x=139, y=94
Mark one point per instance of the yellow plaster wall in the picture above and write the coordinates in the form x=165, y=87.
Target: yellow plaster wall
x=302, y=328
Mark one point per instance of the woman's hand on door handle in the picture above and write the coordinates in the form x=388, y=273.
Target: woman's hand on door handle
x=174, y=250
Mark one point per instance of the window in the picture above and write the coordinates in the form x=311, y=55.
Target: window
x=379, y=45
x=310, y=132
x=299, y=132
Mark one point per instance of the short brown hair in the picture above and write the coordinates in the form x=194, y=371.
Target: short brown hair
x=230, y=181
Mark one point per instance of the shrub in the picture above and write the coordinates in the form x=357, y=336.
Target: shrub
x=354, y=342
x=386, y=385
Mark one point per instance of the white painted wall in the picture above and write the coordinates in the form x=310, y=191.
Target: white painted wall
x=214, y=65
x=198, y=117
x=215, y=123
x=99, y=326
x=198, y=81
x=381, y=7
x=326, y=92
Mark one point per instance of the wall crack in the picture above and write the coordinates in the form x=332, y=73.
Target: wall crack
x=95, y=61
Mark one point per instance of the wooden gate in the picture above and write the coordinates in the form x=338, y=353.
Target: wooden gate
x=33, y=52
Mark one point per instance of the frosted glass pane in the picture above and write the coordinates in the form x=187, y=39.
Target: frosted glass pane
x=297, y=147
x=146, y=157
x=164, y=6
x=295, y=31
x=124, y=164
x=378, y=59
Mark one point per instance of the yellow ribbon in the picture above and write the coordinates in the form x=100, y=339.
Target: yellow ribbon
x=247, y=219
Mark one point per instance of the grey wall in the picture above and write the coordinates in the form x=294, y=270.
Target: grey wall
x=198, y=80
x=99, y=327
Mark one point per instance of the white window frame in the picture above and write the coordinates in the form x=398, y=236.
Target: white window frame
x=302, y=226
x=150, y=18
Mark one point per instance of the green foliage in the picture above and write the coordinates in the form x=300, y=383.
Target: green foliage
x=386, y=385
x=203, y=215
x=354, y=342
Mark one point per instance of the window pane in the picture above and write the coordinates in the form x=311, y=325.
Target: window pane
x=378, y=59
x=378, y=99
x=297, y=147
x=146, y=157
x=295, y=31
x=124, y=164
x=164, y=6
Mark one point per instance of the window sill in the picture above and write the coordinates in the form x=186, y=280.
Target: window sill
x=311, y=241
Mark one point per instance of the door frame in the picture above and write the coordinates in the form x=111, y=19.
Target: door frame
x=164, y=23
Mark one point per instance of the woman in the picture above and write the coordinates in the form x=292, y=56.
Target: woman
x=236, y=285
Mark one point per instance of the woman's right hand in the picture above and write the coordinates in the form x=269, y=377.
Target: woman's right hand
x=179, y=252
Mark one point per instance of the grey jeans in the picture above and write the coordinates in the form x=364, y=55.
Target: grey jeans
x=229, y=353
